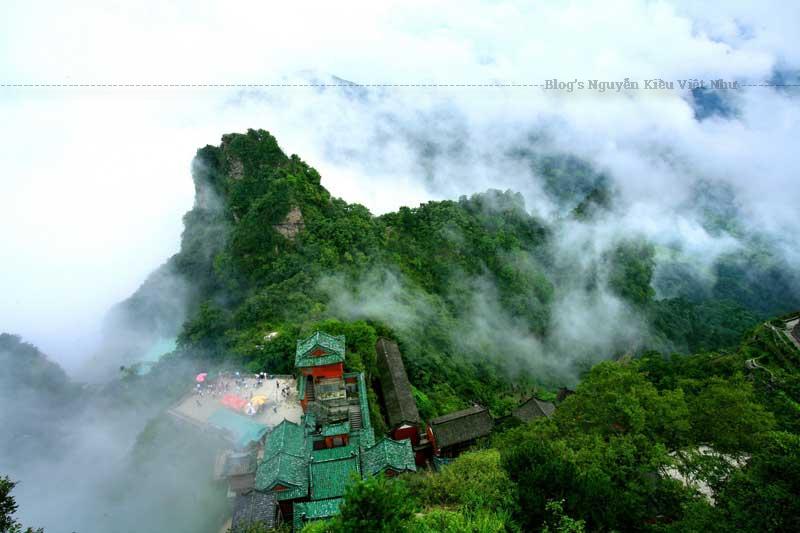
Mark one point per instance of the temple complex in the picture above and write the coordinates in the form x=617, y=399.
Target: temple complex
x=292, y=458
x=304, y=467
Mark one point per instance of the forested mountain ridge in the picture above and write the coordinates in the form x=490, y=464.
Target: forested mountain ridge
x=475, y=289
x=614, y=452
x=490, y=304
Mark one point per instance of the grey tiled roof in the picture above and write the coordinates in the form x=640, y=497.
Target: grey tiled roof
x=533, y=408
x=461, y=426
x=253, y=508
x=401, y=408
x=240, y=463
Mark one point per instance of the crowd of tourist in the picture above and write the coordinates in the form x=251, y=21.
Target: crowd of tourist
x=245, y=386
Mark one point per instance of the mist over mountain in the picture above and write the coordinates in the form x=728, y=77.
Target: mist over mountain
x=192, y=187
x=102, y=457
x=423, y=142
x=484, y=280
x=534, y=278
x=488, y=297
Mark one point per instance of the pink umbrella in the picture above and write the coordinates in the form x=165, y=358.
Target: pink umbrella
x=201, y=377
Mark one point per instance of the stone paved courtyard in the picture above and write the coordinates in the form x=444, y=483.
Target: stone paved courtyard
x=197, y=408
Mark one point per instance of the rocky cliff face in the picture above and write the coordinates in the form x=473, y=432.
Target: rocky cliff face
x=292, y=224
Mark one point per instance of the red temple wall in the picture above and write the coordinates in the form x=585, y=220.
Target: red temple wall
x=411, y=433
x=421, y=457
x=432, y=440
x=329, y=440
x=326, y=371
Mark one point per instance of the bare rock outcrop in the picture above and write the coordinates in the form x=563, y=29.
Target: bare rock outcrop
x=236, y=169
x=292, y=224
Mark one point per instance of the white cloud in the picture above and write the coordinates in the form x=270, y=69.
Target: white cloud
x=95, y=180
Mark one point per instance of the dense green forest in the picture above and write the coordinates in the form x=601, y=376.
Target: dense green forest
x=469, y=287
x=680, y=372
x=612, y=456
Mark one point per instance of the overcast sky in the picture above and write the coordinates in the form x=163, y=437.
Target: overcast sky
x=95, y=180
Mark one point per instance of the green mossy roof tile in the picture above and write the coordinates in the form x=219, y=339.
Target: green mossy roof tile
x=317, y=510
x=340, y=452
x=332, y=430
x=333, y=346
x=388, y=454
x=362, y=399
x=286, y=437
x=328, y=479
x=283, y=469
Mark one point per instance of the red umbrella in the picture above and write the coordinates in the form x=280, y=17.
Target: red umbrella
x=234, y=402
x=201, y=377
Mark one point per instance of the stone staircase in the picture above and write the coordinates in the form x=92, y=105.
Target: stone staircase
x=354, y=414
x=311, y=394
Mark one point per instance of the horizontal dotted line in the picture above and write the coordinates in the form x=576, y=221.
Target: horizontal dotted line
x=350, y=85
x=270, y=85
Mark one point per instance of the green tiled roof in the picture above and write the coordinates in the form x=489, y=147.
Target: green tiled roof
x=332, y=345
x=388, y=453
x=287, y=470
x=317, y=510
x=238, y=428
x=365, y=438
x=332, y=430
x=310, y=421
x=292, y=494
x=339, y=452
x=287, y=437
x=364, y=404
x=330, y=478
